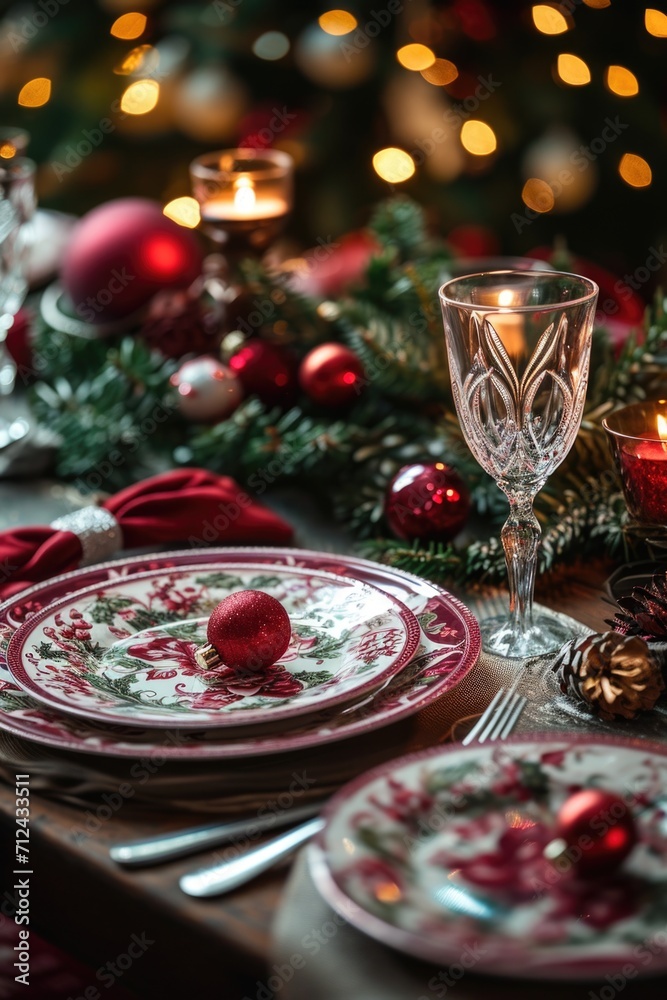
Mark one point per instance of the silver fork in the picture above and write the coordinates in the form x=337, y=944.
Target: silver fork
x=495, y=724
x=499, y=719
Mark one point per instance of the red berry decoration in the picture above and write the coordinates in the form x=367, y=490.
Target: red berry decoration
x=427, y=502
x=598, y=831
x=249, y=630
x=331, y=375
x=266, y=371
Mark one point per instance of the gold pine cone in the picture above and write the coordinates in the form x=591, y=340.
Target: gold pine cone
x=615, y=674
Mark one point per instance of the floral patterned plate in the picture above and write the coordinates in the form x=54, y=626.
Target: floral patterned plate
x=440, y=854
x=449, y=649
x=121, y=652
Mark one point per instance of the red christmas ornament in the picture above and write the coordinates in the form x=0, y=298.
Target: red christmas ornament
x=331, y=375
x=331, y=269
x=265, y=370
x=121, y=254
x=595, y=831
x=178, y=323
x=19, y=346
x=428, y=502
x=249, y=630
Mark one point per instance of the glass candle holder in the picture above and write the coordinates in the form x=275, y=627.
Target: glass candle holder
x=244, y=195
x=638, y=438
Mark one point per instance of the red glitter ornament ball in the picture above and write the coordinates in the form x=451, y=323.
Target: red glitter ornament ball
x=265, y=370
x=429, y=502
x=250, y=630
x=599, y=830
x=332, y=375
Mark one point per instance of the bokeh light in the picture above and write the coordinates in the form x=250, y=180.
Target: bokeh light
x=35, y=93
x=537, y=194
x=393, y=165
x=337, y=22
x=271, y=45
x=621, y=81
x=184, y=211
x=129, y=25
x=573, y=70
x=548, y=20
x=440, y=73
x=656, y=22
x=416, y=56
x=635, y=171
x=598, y=4
x=143, y=57
x=478, y=138
x=140, y=97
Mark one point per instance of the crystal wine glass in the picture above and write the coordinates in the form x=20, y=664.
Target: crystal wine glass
x=519, y=345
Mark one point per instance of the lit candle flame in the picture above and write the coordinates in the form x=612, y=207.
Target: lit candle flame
x=506, y=297
x=244, y=194
x=661, y=423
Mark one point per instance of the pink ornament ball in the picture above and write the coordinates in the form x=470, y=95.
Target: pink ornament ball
x=206, y=390
x=121, y=254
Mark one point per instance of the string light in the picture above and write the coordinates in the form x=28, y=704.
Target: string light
x=393, y=165
x=271, y=45
x=129, y=26
x=573, y=70
x=478, y=138
x=416, y=56
x=140, y=97
x=35, y=93
x=635, y=171
x=337, y=22
x=621, y=81
x=440, y=73
x=549, y=20
x=184, y=211
x=656, y=22
x=537, y=194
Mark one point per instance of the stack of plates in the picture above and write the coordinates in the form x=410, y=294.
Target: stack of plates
x=102, y=660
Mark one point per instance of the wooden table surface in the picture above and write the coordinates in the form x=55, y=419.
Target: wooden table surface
x=218, y=948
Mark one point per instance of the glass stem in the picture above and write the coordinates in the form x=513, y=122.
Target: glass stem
x=521, y=538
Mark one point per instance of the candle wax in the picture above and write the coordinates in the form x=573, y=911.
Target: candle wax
x=225, y=210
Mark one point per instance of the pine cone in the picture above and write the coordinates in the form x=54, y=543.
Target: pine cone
x=178, y=323
x=614, y=674
x=644, y=612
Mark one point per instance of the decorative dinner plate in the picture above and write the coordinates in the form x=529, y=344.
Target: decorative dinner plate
x=449, y=649
x=440, y=854
x=125, y=651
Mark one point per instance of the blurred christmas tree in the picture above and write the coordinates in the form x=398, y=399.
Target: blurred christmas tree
x=520, y=121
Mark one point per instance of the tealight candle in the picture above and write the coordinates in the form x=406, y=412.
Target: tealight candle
x=638, y=438
x=245, y=195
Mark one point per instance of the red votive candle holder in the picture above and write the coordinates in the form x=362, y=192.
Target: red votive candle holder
x=638, y=439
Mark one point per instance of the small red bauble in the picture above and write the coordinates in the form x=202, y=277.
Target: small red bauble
x=598, y=829
x=121, y=254
x=427, y=502
x=331, y=375
x=249, y=630
x=265, y=370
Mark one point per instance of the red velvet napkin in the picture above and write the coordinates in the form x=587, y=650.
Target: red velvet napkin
x=187, y=505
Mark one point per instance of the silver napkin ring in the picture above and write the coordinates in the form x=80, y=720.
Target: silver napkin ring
x=98, y=532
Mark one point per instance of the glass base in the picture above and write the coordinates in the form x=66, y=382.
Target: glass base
x=546, y=635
